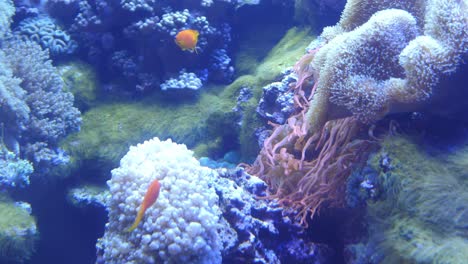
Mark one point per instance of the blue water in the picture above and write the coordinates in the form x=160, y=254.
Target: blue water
x=67, y=234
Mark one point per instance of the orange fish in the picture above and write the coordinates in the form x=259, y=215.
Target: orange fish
x=187, y=39
x=150, y=197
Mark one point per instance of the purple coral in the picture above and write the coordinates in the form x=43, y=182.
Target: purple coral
x=150, y=26
x=277, y=102
x=186, y=80
x=221, y=66
x=44, y=31
x=52, y=115
x=262, y=231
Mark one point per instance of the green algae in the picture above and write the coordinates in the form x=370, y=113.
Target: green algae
x=80, y=79
x=267, y=63
x=307, y=13
x=203, y=122
x=17, y=232
x=262, y=70
x=109, y=129
x=423, y=215
x=285, y=54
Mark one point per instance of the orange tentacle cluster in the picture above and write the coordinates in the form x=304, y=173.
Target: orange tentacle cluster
x=307, y=170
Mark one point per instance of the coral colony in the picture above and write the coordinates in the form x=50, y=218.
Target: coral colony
x=231, y=131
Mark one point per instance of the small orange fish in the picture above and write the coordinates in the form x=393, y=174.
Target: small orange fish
x=187, y=39
x=150, y=197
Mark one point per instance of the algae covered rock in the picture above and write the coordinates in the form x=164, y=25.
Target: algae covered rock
x=88, y=194
x=80, y=79
x=18, y=231
x=262, y=68
x=421, y=214
x=109, y=128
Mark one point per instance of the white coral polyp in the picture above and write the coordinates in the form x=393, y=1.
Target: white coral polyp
x=181, y=226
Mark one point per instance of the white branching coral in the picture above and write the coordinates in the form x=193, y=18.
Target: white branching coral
x=180, y=227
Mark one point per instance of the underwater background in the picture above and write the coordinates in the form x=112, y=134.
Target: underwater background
x=232, y=131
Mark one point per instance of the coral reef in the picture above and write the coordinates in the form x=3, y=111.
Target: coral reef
x=51, y=114
x=221, y=68
x=199, y=216
x=311, y=180
x=150, y=27
x=35, y=111
x=15, y=110
x=44, y=31
x=377, y=60
x=357, y=88
x=383, y=57
x=180, y=227
x=109, y=128
x=261, y=231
